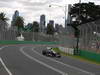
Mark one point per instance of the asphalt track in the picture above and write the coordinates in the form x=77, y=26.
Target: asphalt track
x=28, y=60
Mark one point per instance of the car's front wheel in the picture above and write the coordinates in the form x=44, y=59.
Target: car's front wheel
x=58, y=56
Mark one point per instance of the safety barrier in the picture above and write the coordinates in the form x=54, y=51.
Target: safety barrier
x=90, y=55
x=26, y=42
x=67, y=50
x=83, y=53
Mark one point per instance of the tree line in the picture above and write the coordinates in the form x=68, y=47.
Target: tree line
x=19, y=23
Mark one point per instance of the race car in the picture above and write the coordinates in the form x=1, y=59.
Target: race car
x=50, y=52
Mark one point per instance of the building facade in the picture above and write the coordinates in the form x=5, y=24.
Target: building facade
x=51, y=22
x=42, y=23
x=69, y=16
x=16, y=14
x=69, y=29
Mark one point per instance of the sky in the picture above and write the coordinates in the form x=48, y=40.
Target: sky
x=31, y=10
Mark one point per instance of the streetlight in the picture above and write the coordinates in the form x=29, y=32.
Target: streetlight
x=65, y=12
x=78, y=33
x=79, y=1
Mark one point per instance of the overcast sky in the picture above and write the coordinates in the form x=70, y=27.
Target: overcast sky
x=32, y=9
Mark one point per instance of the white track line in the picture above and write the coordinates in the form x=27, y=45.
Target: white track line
x=3, y=62
x=42, y=63
x=3, y=47
x=5, y=66
x=90, y=73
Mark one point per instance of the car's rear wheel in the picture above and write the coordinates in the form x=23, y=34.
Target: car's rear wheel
x=43, y=53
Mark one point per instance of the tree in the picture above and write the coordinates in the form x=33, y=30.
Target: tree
x=2, y=17
x=50, y=29
x=3, y=21
x=35, y=26
x=35, y=30
x=85, y=12
x=19, y=22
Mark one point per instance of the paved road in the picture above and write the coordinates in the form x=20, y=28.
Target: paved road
x=2, y=70
x=27, y=60
x=93, y=68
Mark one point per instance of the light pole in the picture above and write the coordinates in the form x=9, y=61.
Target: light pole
x=79, y=1
x=65, y=12
x=65, y=16
x=78, y=31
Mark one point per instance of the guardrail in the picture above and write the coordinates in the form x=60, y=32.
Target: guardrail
x=83, y=53
x=90, y=55
x=26, y=42
x=67, y=50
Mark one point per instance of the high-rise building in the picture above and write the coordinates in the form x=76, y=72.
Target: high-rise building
x=42, y=23
x=51, y=22
x=69, y=20
x=69, y=16
x=16, y=14
x=56, y=27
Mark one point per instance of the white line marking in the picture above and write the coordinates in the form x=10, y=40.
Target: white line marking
x=90, y=73
x=3, y=62
x=42, y=63
x=5, y=66
x=3, y=47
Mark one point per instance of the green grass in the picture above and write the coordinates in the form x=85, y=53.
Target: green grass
x=76, y=57
x=59, y=51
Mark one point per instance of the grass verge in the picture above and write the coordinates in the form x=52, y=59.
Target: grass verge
x=76, y=57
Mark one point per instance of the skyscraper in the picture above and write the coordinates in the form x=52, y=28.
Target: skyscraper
x=51, y=22
x=16, y=14
x=56, y=27
x=69, y=19
x=42, y=23
x=69, y=16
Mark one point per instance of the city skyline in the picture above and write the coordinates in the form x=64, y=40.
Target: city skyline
x=32, y=9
